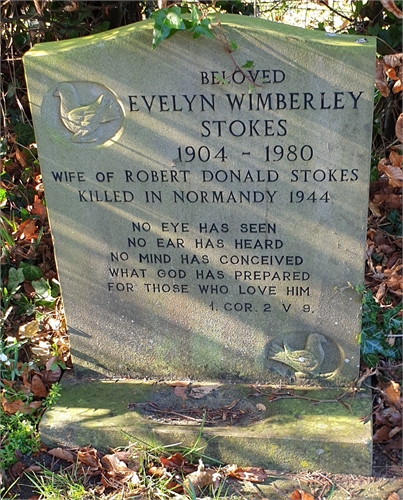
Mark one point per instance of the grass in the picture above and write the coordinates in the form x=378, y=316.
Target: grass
x=60, y=486
x=143, y=477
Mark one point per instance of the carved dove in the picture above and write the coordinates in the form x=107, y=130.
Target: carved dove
x=83, y=120
x=307, y=361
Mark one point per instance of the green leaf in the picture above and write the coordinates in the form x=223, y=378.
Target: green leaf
x=174, y=20
x=195, y=14
x=248, y=64
x=15, y=278
x=25, y=133
x=232, y=45
x=7, y=238
x=41, y=287
x=251, y=88
x=43, y=291
x=202, y=29
x=55, y=288
x=31, y=273
x=102, y=27
x=3, y=196
x=159, y=34
x=166, y=23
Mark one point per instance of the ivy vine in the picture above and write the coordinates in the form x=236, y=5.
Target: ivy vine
x=170, y=20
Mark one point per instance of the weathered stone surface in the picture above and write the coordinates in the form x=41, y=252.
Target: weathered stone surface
x=290, y=434
x=205, y=228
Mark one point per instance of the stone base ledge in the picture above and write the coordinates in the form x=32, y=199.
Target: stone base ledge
x=291, y=434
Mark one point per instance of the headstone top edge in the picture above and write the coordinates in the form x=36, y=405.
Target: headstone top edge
x=226, y=20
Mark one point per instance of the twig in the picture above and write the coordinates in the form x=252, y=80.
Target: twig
x=177, y=414
x=224, y=42
x=344, y=489
x=293, y=396
x=323, y=2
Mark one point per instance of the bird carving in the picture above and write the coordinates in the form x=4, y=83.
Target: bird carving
x=307, y=361
x=84, y=119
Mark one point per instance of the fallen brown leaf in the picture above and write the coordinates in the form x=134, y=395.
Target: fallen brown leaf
x=391, y=7
x=173, y=462
x=393, y=60
x=396, y=159
x=89, y=456
x=12, y=407
x=397, y=87
x=394, y=431
x=380, y=78
x=301, y=495
x=390, y=200
x=382, y=434
x=38, y=387
x=392, y=392
x=62, y=454
x=72, y=7
x=399, y=128
x=156, y=471
x=174, y=486
x=251, y=474
x=391, y=72
x=201, y=478
x=200, y=392
x=395, y=418
x=50, y=377
x=39, y=210
x=394, y=174
x=21, y=157
x=50, y=362
x=34, y=468
x=112, y=463
x=17, y=469
x=180, y=392
x=125, y=456
x=27, y=230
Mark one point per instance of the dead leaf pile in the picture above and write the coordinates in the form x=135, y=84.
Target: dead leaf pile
x=389, y=74
x=29, y=240
x=114, y=471
x=388, y=416
x=187, y=477
x=384, y=238
x=32, y=240
x=32, y=383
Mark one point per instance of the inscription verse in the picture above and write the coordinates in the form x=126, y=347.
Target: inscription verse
x=253, y=257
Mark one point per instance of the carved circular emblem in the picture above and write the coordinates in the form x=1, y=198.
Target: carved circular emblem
x=304, y=354
x=83, y=113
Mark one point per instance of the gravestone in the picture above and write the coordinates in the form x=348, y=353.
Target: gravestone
x=208, y=209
